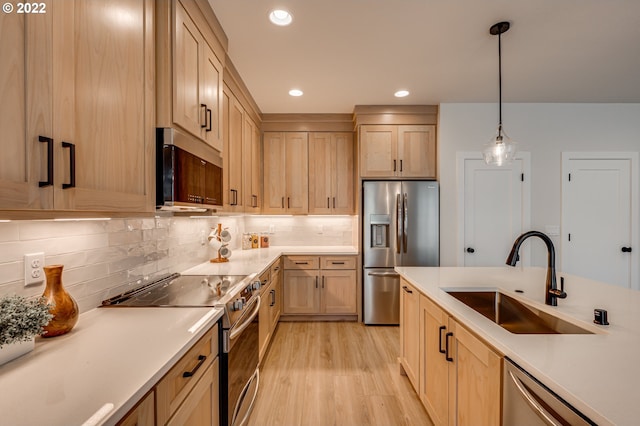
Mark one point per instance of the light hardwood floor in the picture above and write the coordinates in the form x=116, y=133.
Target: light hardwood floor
x=335, y=373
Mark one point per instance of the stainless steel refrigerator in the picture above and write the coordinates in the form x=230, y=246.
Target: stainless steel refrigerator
x=400, y=227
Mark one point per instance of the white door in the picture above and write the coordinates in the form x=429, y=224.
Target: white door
x=597, y=216
x=494, y=210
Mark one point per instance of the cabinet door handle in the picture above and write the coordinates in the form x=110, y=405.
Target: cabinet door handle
x=446, y=347
x=72, y=165
x=327, y=202
x=400, y=165
x=405, y=288
x=234, y=193
x=394, y=165
x=204, y=106
x=49, y=143
x=208, y=129
x=273, y=297
x=334, y=202
x=440, y=330
x=323, y=281
x=626, y=249
x=288, y=202
x=316, y=281
x=283, y=202
x=201, y=360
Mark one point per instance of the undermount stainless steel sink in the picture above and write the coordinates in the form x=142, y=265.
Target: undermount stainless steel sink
x=513, y=315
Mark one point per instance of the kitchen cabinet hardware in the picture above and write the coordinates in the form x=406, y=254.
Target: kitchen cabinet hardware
x=446, y=346
x=72, y=165
x=234, y=192
x=302, y=263
x=626, y=249
x=201, y=360
x=288, y=202
x=334, y=202
x=405, y=288
x=204, y=106
x=316, y=281
x=440, y=330
x=401, y=166
x=264, y=282
x=470, y=250
x=208, y=129
x=323, y=281
x=283, y=202
x=273, y=298
x=49, y=143
x=394, y=165
x=327, y=202
x=254, y=201
x=337, y=263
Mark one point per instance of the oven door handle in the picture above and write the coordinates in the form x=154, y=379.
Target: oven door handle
x=236, y=330
x=243, y=396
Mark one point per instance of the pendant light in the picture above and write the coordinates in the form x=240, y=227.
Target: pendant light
x=500, y=149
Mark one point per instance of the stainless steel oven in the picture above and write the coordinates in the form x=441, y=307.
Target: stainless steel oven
x=528, y=402
x=239, y=358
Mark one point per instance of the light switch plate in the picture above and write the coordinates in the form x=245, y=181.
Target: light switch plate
x=33, y=268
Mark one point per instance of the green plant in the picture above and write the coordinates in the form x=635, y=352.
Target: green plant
x=21, y=318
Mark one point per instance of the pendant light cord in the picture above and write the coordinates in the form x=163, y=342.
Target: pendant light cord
x=500, y=84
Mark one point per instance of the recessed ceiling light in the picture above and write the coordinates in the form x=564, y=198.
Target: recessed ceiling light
x=295, y=92
x=280, y=17
x=401, y=93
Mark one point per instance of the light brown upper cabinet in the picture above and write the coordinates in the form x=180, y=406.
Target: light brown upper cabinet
x=190, y=63
x=398, y=151
x=88, y=88
x=251, y=166
x=285, y=156
x=331, y=173
x=233, y=130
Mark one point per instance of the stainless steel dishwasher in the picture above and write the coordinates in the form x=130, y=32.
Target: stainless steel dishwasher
x=527, y=402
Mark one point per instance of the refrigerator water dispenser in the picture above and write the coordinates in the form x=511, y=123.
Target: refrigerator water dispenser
x=379, y=230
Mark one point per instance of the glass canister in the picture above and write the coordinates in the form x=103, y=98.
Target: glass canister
x=264, y=240
x=246, y=241
x=254, y=241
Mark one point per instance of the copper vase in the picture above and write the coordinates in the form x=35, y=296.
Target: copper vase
x=63, y=307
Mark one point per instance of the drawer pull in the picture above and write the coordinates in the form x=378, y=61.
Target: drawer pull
x=201, y=360
x=302, y=263
x=405, y=288
x=337, y=263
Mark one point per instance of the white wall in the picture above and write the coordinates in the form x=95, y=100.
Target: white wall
x=544, y=130
x=106, y=257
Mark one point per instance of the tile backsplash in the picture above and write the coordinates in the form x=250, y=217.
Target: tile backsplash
x=102, y=258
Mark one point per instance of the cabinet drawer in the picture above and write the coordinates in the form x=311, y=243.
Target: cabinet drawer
x=338, y=262
x=174, y=387
x=265, y=277
x=302, y=262
x=275, y=268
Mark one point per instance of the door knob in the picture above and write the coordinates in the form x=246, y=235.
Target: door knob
x=626, y=249
x=470, y=250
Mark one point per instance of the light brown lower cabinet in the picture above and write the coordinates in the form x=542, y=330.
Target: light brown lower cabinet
x=457, y=375
x=188, y=394
x=144, y=414
x=323, y=285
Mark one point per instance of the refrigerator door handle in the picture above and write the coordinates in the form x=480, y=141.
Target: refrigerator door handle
x=399, y=223
x=405, y=222
x=383, y=274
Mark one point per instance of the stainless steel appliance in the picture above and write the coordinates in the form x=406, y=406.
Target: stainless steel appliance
x=239, y=297
x=188, y=173
x=528, y=402
x=400, y=227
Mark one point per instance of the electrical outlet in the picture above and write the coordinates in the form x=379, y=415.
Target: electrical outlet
x=33, y=272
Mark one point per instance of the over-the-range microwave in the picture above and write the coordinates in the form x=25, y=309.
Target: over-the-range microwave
x=188, y=173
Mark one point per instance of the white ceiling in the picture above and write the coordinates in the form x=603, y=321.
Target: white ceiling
x=343, y=53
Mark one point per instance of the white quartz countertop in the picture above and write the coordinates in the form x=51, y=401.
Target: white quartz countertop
x=110, y=360
x=598, y=374
x=245, y=262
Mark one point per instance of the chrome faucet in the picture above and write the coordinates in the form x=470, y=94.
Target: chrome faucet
x=551, y=291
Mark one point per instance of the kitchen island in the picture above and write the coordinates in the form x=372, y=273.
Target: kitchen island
x=596, y=373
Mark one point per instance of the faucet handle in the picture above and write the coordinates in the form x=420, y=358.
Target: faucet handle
x=560, y=294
